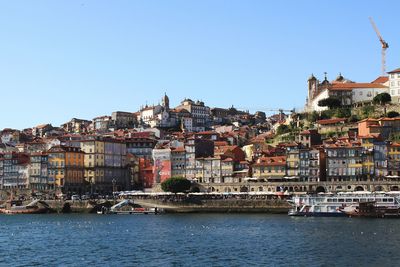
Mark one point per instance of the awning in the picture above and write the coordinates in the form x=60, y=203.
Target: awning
x=392, y=176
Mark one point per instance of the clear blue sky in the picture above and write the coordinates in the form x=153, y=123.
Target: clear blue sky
x=64, y=59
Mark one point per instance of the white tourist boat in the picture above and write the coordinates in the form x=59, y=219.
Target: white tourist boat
x=330, y=205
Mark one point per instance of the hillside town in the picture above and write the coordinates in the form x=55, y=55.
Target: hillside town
x=351, y=146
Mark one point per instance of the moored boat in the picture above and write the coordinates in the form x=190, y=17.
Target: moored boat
x=129, y=207
x=372, y=210
x=330, y=205
x=16, y=207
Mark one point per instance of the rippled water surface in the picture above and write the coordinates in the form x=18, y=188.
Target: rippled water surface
x=197, y=240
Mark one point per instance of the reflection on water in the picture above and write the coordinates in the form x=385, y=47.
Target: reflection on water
x=197, y=240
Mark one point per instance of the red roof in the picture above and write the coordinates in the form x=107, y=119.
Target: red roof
x=178, y=149
x=381, y=79
x=330, y=121
x=351, y=86
x=271, y=161
x=394, y=71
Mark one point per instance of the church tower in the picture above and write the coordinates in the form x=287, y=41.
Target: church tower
x=312, y=88
x=165, y=102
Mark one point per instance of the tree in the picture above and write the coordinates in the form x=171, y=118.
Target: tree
x=343, y=113
x=176, y=185
x=282, y=129
x=382, y=98
x=353, y=118
x=330, y=102
x=393, y=114
x=313, y=117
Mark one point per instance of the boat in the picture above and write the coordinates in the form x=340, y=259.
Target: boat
x=331, y=205
x=372, y=210
x=128, y=206
x=16, y=207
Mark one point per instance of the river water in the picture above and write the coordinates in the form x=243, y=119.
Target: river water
x=197, y=240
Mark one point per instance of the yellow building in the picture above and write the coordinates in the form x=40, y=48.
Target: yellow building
x=394, y=160
x=270, y=168
x=368, y=164
x=65, y=167
x=94, y=160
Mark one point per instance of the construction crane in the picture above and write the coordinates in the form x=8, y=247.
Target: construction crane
x=384, y=44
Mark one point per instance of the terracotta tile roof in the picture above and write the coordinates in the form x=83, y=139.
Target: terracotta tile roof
x=271, y=161
x=381, y=79
x=389, y=119
x=394, y=71
x=224, y=149
x=330, y=121
x=351, y=86
x=220, y=143
x=368, y=136
x=178, y=149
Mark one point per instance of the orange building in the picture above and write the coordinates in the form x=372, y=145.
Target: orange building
x=66, y=167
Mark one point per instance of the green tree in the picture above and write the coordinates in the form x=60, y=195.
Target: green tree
x=382, y=99
x=343, y=113
x=393, y=114
x=313, y=116
x=367, y=111
x=282, y=129
x=176, y=185
x=330, y=102
x=353, y=118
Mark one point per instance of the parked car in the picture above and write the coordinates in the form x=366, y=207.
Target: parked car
x=84, y=197
x=75, y=197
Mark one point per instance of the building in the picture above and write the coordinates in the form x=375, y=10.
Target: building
x=123, y=120
x=201, y=114
x=380, y=149
x=344, y=163
x=102, y=124
x=15, y=171
x=393, y=167
x=348, y=92
x=66, y=168
x=162, y=164
x=270, y=168
x=293, y=162
x=194, y=149
x=76, y=126
x=105, y=165
x=41, y=130
x=309, y=138
x=394, y=85
x=38, y=172
x=384, y=127
x=141, y=147
x=178, y=162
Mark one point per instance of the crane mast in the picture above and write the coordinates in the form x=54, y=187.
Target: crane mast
x=384, y=45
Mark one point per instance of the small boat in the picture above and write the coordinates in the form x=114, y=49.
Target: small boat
x=370, y=209
x=16, y=207
x=128, y=207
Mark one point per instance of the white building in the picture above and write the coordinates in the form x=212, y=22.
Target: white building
x=348, y=92
x=394, y=85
